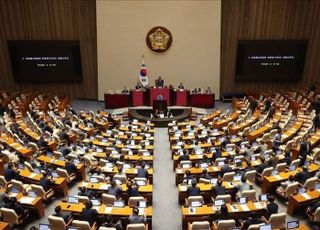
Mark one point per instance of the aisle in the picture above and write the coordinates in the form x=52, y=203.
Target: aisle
x=166, y=211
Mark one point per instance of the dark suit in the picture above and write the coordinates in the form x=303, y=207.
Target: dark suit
x=142, y=172
x=71, y=167
x=90, y=215
x=46, y=183
x=251, y=221
x=10, y=174
x=136, y=219
x=301, y=177
x=272, y=208
x=225, y=168
x=184, y=157
x=159, y=83
x=261, y=167
x=305, y=149
x=287, y=160
x=219, y=190
x=133, y=191
x=193, y=191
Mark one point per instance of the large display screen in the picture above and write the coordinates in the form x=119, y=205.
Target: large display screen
x=270, y=60
x=45, y=61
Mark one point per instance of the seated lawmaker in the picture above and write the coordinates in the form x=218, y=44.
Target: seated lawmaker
x=142, y=172
x=302, y=176
x=89, y=214
x=218, y=189
x=46, y=182
x=10, y=173
x=253, y=219
x=66, y=216
x=272, y=207
x=135, y=218
x=181, y=86
x=205, y=175
x=133, y=189
x=193, y=190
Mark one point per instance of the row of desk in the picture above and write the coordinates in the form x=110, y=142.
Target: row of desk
x=173, y=98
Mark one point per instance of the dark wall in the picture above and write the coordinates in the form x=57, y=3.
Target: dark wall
x=269, y=19
x=51, y=20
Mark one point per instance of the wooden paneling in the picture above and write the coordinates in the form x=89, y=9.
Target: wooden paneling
x=269, y=19
x=51, y=20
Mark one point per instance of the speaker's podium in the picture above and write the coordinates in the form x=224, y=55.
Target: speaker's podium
x=155, y=92
x=160, y=105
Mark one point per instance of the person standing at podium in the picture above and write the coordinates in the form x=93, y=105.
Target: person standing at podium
x=159, y=82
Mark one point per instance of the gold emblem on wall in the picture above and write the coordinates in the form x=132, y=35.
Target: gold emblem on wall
x=159, y=39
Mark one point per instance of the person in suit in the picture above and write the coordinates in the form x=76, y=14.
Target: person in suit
x=253, y=104
x=205, y=160
x=302, y=176
x=193, y=190
x=316, y=122
x=115, y=189
x=85, y=192
x=135, y=218
x=89, y=214
x=185, y=156
x=272, y=207
x=181, y=86
x=267, y=104
x=263, y=165
x=287, y=158
x=305, y=150
x=316, y=104
x=59, y=213
x=142, y=172
x=205, y=175
x=10, y=173
x=133, y=189
x=46, y=182
x=253, y=219
x=285, y=184
x=219, y=189
x=111, y=223
x=71, y=167
x=223, y=214
x=188, y=176
x=159, y=82
x=226, y=168
x=276, y=141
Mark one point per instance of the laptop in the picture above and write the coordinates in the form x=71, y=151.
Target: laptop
x=220, y=163
x=317, y=186
x=279, y=152
x=76, y=161
x=263, y=197
x=307, y=163
x=238, y=163
x=204, y=165
x=141, y=182
x=36, y=170
x=142, y=204
x=301, y=190
x=95, y=202
x=292, y=168
x=243, y=200
x=219, y=202
x=94, y=180
x=195, y=204
x=293, y=224
x=32, y=193
x=55, y=174
x=14, y=189
x=44, y=227
x=62, y=158
x=73, y=200
x=20, y=166
x=118, y=204
x=253, y=158
x=237, y=178
x=213, y=181
x=265, y=227
x=126, y=166
x=234, y=137
x=274, y=173
x=73, y=228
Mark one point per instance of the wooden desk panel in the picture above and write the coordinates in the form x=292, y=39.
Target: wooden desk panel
x=302, y=200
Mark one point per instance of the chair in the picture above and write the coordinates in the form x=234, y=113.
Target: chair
x=142, y=179
x=45, y=195
x=290, y=189
x=83, y=225
x=29, y=166
x=310, y=183
x=11, y=217
x=228, y=176
x=295, y=163
x=107, y=199
x=254, y=226
x=199, y=225
x=90, y=162
x=205, y=181
x=69, y=177
x=278, y=220
x=265, y=172
x=226, y=198
x=220, y=159
x=316, y=217
x=57, y=223
x=185, y=164
x=121, y=178
x=251, y=194
x=251, y=176
x=134, y=201
x=23, y=188
x=281, y=167
x=82, y=199
x=107, y=228
x=3, y=182
x=224, y=225
x=136, y=227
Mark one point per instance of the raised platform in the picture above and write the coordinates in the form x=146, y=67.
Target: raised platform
x=144, y=115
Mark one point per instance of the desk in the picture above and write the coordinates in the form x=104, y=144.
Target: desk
x=131, y=173
x=61, y=163
x=34, y=203
x=4, y=226
x=160, y=105
x=232, y=117
x=268, y=182
x=237, y=128
x=155, y=92
x=302, y=200
x=137, y=98
x=22, y=150
x=181, y=97
x=1, y=167
x=202, y=100
x=113, y=101
x=205, y=120
x=60, y=183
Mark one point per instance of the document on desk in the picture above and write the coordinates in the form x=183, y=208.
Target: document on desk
x=27, y=200
x=183, y=188
x=278, y=177
x=244, y=207
x=32, y=175
x=306, y=196
x=258, y=205
x=179, y=170
x=104, y=187
x=141, y=211
x=108, y=210
x=84, y=184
